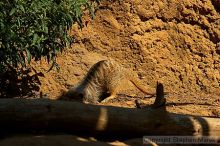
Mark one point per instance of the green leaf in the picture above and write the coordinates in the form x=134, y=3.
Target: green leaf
x=2, y=26
x=35, y=38
x=22, y=8
x=45, y=28
x=28, y=56
x=12, y=11
x=19, y=22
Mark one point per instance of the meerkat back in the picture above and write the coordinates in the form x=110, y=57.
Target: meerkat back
x=102, y=80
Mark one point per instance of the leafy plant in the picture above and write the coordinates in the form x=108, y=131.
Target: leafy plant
x=32, y=29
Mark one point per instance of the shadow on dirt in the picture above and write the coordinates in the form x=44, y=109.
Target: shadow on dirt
x=19, y=83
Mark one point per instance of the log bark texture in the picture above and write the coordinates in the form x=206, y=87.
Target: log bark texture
x=41, y=114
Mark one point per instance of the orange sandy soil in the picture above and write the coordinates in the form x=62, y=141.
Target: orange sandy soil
x=173, y=42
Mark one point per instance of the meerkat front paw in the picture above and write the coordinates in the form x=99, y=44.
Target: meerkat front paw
x=105, y=100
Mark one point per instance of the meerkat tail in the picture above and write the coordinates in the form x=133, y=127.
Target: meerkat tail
x=140, y=86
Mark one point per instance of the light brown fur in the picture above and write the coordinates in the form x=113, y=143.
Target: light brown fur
x=102, y=81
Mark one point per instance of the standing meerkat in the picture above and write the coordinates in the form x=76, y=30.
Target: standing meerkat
x=102, y=81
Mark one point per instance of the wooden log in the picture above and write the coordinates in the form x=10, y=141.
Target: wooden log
x=41, y=114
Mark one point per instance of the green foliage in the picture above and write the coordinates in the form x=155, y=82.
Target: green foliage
x=36, y=28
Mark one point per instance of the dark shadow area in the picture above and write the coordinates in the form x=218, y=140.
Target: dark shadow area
x=19, y=83
x=50, y=140
x=63, y=97
x=216, y=4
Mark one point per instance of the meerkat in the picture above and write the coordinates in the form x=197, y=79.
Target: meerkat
x=102, y=81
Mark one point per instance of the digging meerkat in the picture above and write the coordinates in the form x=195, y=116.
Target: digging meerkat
x=102, y=81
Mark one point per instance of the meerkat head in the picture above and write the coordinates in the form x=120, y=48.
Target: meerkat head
x=73, y=94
